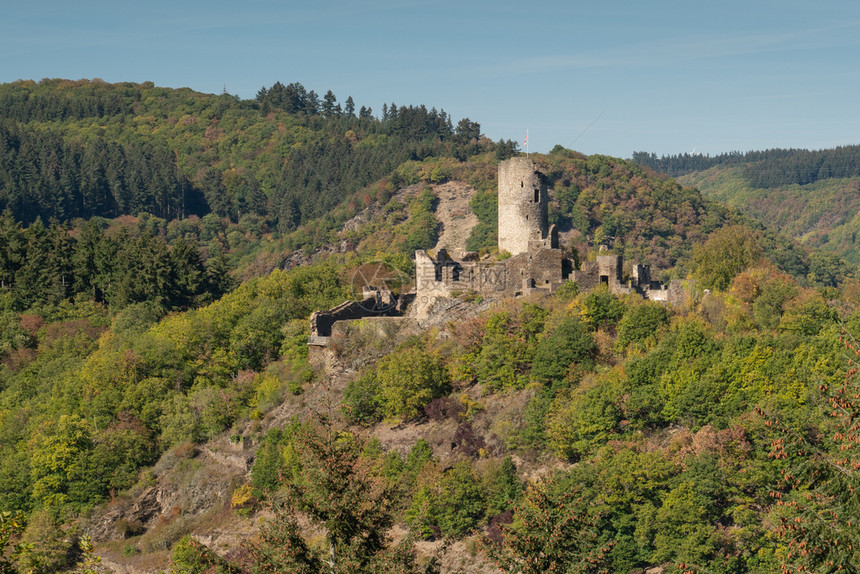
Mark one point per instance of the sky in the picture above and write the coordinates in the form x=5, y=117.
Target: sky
x=601, y=77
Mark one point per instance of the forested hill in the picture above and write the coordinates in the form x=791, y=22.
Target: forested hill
x=78, y=149
x=765, y=169
x=812, y=196
x=145, y=400
x=567, y=428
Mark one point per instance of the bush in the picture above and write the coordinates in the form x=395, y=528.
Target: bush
x=444, y=408
x=192, y=557
x=409, y=379
x=564, y=354
x=466, y=441
x=641, y=324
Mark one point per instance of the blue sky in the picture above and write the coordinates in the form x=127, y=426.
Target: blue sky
x=608, y=76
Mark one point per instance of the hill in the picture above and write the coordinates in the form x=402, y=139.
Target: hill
x=812, y=196
x=822, y=214
x=87, y=148
x=180, y=421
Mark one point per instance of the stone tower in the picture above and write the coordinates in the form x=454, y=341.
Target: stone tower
x=522, y=205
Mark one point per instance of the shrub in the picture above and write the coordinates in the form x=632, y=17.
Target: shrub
x=564, y=354
x=466, y=441
x=409, y=379
x=193, y=557
x=443, y=408
x=641, y=323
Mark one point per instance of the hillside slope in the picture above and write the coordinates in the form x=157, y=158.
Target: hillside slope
x=823, y=214
x=78, y=149
x=185, y=426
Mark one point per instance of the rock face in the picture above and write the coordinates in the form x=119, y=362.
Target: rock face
x=455, y=215
x=186, y=484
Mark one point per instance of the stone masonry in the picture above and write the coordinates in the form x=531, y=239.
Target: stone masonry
x=536, y=262
x=522, y=205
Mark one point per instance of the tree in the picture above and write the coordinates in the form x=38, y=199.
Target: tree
x=467, y=131
x=641, y=323
x=553, y=531
x=564, y=354
x=58, y=459
x=330, y=107
x=602, y=308
x=12, y=248
x=11, y=527
x=461, y=502
x=408, y=380
x=816, y=502
x=349, y=107
x=727, y=252
x=506, y=149
x=342, y=490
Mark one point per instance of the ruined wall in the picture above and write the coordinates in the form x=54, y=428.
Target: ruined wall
x=375, y=304
x=522, y=205
x=606, y=270
x=544, y=267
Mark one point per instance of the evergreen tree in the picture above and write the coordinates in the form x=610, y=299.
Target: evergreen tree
x=330, y=106
x=339, y=488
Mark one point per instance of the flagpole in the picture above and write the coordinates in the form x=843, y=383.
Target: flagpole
x=527, y=142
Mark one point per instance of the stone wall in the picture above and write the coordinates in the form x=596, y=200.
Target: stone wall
x=606, y=270
x=543, y=267
x=374, y=304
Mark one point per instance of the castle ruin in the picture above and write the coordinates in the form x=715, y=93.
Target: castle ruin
x=536, y=262
x=530, y=261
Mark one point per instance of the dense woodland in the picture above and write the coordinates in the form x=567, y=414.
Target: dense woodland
x=765, y=169
x=591, y=433
x=82, y=149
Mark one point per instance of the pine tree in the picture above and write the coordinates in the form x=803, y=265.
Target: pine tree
x=330, y=107
x=342, y=490
x=553, y=531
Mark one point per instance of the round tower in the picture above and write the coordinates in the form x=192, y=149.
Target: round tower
x=522, y=205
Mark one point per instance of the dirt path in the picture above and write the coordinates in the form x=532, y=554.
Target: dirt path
x=454, y=213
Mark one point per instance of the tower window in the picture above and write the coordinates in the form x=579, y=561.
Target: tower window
x=537, y=195
x=521, y=184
